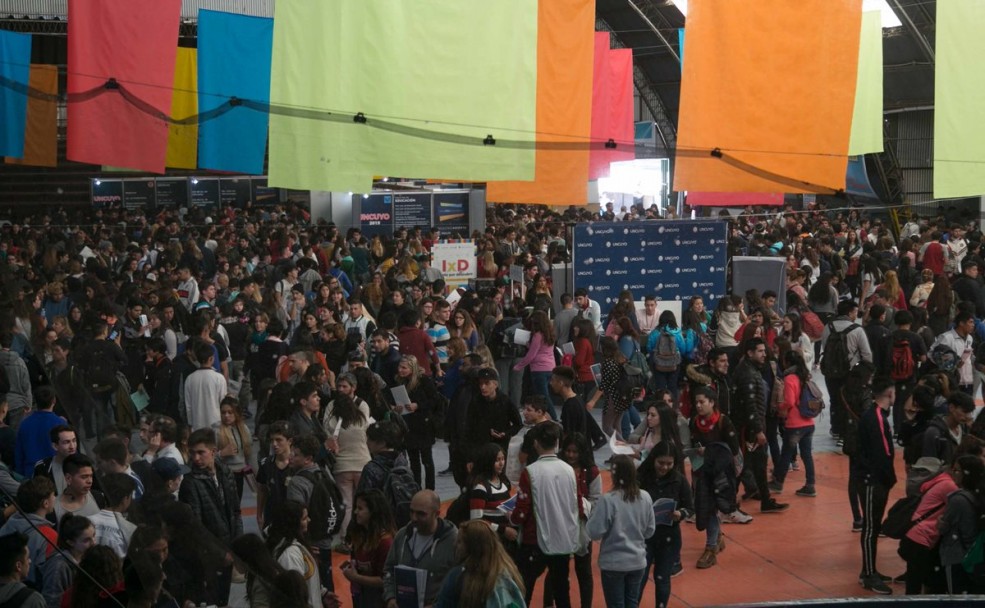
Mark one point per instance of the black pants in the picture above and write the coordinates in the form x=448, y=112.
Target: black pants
x=417, y=457
x=922, y=563
x=532, y=564
x=586, y=582
x=755, y=461
x=838, y=412
x=874, y=497
x=854, y=491
x=773, y=430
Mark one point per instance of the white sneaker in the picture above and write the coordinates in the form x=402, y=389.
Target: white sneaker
x=735, y=517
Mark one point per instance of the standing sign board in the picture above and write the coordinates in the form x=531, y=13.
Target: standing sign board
x=673, y=260
x=451, y=213
x=204, y=193
x=412, y=210
x=172, y=193
x=235, y=192
x=106, y=193
x=456, y=260
x=375, y=214
x=139, y=194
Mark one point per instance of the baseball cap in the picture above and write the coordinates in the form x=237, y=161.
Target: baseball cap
x=487, y=373
x=169, y=468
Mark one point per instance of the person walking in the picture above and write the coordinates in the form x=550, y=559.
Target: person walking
x=622, y=519
x=798, y=430
x=874, y=465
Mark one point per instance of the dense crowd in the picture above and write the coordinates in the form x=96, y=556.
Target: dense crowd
x=155, y=369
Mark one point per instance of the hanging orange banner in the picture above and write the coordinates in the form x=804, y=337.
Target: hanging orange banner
x=41, y=134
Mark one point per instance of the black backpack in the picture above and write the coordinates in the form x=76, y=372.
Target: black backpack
x=837, y=362
x=899, y=520
x=101, y=367
x=399, y=487
x=326, y=507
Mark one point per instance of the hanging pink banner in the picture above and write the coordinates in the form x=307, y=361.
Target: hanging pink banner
x=612, y=107
x=734, y=199
x=133, y=42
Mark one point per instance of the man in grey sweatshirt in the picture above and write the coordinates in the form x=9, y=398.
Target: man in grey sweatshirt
x=19, y=397
x=37, y=498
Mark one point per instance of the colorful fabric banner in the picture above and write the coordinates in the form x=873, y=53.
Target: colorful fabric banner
x=734, y=199
x=565, y=61
x=41, y=134
x=612, y=107
x=431, y=91
x=183, y=139
x=752, y=118
x=234, y=61
x=867, y=117
x=133, y=42
x=959, y=124
x=15, y=69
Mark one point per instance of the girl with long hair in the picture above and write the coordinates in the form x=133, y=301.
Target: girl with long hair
x=105, y=568
x=583, y=338
x=345, y=424
x=76, y=535
x=894, y=290
x=462, y=326
x=709, y=429
x=793, y=330
x=252, y=556
x=486, y=577
x=959, y=525
x=921, y=293
x=660, y=475
x=489, y=488
x=685, y=341
x=419, y=440
x=540, y=357
x=659, y=424
x=370, y=534
x=613, y=378
x=623, y=520
x=798, y=430
x=286, y=541
x=577, y=452
x=940, y=305
x=453, y=378
x=234, y=441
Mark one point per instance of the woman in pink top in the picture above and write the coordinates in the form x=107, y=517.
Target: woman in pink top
x=919, y=547
x=540, y=357
x=798, y=431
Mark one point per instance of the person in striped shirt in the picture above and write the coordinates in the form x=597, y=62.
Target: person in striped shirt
x=489, y=489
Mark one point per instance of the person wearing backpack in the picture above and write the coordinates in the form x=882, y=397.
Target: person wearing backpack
x=842, y=347
x=102, y=359
x=613, y=387
x=960, y=341
x=944, y=433
x=798, y=429
x=312, y=486
x=918, y=547
x=388, y=469
x=908, y=351
x=959, y=525
x=668, y=347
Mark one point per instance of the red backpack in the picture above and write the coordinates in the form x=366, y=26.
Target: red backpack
x=903, y=364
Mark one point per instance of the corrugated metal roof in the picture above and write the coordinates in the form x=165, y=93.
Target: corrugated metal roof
x=58, y=9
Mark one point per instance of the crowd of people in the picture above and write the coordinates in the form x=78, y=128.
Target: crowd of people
x=156, y=369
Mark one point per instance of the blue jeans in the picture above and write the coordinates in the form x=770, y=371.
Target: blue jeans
x=622, y=589
x=792, y=439
x=540, y=383
x=630, y=420
x=662, y=554
x=713, y=531
x=669, y=381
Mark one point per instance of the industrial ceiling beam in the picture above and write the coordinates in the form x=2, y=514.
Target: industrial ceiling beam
x=911, y=27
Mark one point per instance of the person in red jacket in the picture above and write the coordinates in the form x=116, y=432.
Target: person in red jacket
x=415, y=341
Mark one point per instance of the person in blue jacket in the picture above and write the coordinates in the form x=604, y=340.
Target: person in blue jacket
x=686, y=340
x=34, y=442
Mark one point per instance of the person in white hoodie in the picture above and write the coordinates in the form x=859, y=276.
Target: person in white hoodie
x=112, y=528
x=622, y=519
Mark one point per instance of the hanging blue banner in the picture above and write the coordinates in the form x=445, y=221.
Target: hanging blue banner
x=233, y=63
x=857, y=178
x=673, y=260
x=15, y=72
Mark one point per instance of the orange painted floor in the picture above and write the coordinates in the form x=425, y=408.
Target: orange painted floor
x=807, y=552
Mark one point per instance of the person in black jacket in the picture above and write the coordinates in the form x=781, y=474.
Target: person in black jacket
x=424, y=398
x=210, y=491
x=659, y=477
x=944, y=432
x=873, y=463
x=158, y=383
x=492, y=416
x=749, y=408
